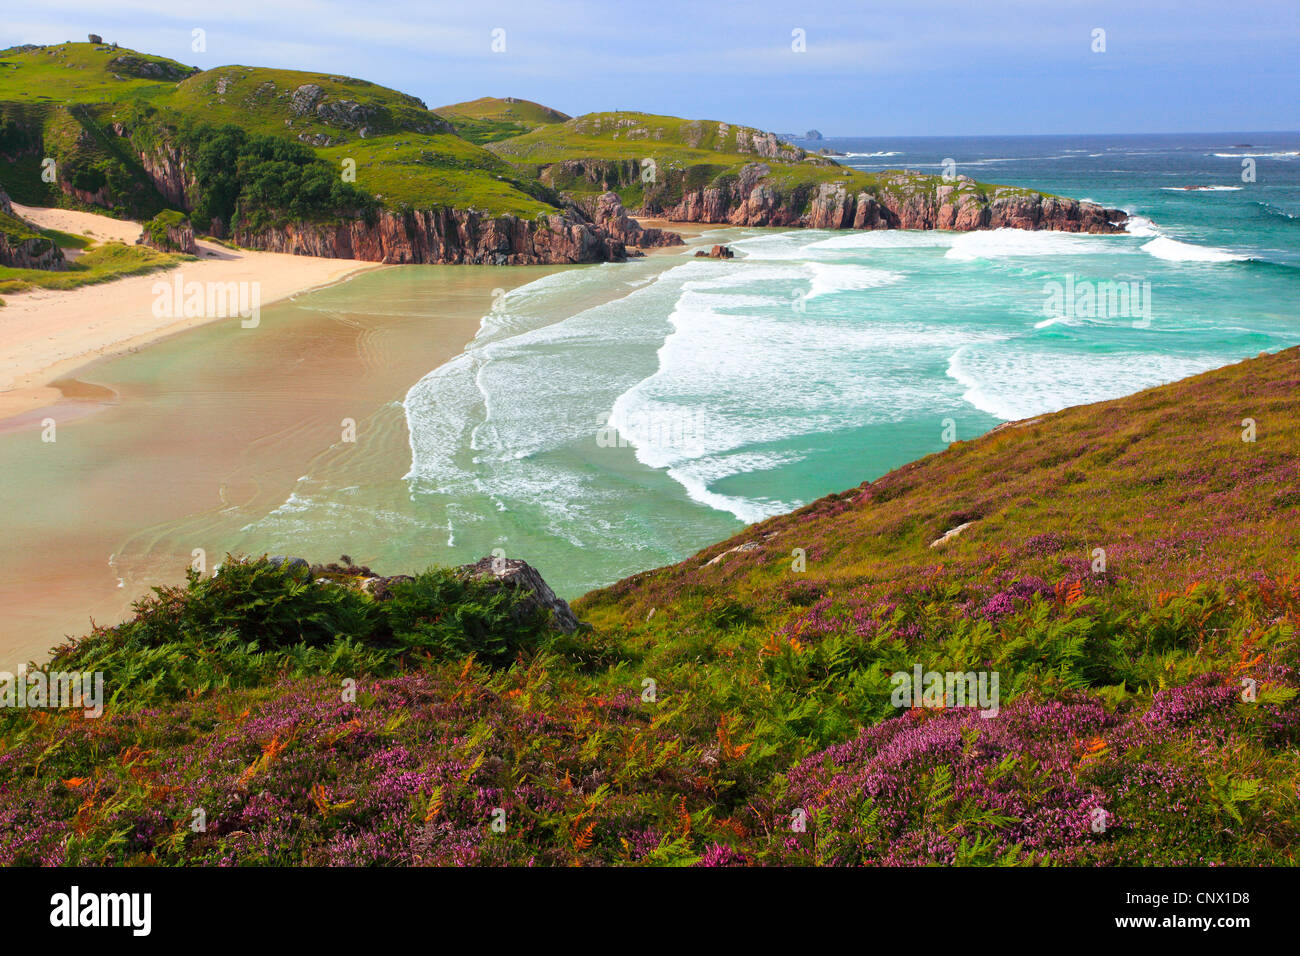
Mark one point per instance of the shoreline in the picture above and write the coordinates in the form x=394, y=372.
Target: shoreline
x=52, y=335
x=181, y=445
x=32, y=384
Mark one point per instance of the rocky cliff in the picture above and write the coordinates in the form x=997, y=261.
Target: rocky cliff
x=597, y=228
x=903, y=201
x=449, y=236
x=431, y=236
x=607, y=213
x=763, y=195
x=166, y=167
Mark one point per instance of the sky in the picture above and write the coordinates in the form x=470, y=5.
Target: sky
x=903, y=68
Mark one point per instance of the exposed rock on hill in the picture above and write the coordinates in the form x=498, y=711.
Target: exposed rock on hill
x=169, y=232
x=523, y=578
x=148, y=69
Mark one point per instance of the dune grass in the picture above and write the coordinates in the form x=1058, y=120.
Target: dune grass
x=101, y=262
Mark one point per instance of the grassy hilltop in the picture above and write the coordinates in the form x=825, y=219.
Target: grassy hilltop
x=1128, y=570
x=491, y=118
x=69, y=98
x=125, y=129
x=581, y=155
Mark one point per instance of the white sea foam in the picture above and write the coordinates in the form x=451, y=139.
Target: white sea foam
x=1012, y=382
x=1201, y=189
x=481, y=426
x=697, y=475
x=1171, y=250
x=880, y=239
x=1165, y=247
x=1141, y=226
x=777, y=246
x=810, y=245
x=1281, y=154
x=745, y=378
x=828, y=279
x=1004, y=243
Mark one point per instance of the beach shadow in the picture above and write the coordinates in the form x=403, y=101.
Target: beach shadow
x=215, y=253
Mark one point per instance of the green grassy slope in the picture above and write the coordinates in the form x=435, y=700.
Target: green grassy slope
x=83, y=73
x=492, y=118
x=404, y=154
x=300, y=104
x=18, y=230
x=631, y=135
x=1128, y=572
x=581, y=155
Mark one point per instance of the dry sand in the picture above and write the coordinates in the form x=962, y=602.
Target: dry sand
x=45, y=334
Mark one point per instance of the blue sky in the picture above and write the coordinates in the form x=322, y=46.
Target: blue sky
x=907, y=67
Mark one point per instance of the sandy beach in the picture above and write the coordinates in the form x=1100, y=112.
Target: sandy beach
x=191, y=442
x=202, y=434
x=46, y=334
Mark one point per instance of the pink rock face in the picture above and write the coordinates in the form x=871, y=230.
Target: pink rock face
x=447, y=236
x=609, y=216
x=907, y=203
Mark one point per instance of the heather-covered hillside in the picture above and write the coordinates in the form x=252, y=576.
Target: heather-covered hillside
x=1124, y=574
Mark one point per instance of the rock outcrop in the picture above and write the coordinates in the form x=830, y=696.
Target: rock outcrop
x=903, y=201
x=523, y=578
x=30, y=253
x=138, y=66
x=20, y=246
x=717, y=252
x=607, y=214
x=169, y=237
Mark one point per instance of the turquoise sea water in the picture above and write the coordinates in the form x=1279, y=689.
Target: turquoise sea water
x=596, y=441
